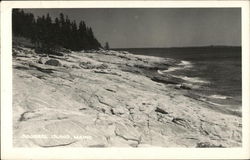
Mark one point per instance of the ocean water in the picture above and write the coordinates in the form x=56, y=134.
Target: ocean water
x=214, y=71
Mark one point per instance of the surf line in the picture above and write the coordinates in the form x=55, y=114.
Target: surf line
x=180, y=66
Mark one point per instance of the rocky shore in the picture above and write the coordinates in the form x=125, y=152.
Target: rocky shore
x=111, y=99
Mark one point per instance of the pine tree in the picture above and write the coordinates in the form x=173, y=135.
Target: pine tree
x=106, y=47
x=56, y=30
x=74, y=36
x=83, y=39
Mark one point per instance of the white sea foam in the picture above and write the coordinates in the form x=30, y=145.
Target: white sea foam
x=213, y=103
x=186, y=64
x=192, y=79
x=182, y=65
x=171, y=69
x=160, y=72
x=218, y=97
x=216, y=104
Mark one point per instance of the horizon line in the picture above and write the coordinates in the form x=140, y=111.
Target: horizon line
x=211, y=46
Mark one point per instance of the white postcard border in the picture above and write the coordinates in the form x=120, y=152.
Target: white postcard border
x=8, y=152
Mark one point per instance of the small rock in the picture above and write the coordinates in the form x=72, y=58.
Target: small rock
x=74, y=66
x=118, y=111
x=42, y=60
x=102, y=66
x=86, y=65
x=182, y=86
x=53, y=62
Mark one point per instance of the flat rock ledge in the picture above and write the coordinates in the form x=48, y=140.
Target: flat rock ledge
x=106, y=99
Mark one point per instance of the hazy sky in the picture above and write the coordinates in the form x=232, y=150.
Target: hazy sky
x=165, y=27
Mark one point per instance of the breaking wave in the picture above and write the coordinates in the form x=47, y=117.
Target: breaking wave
x=192, y=79
x=185, y=63
x=182, y=65
x=219, y=97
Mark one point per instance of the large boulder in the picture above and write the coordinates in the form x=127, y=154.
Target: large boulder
x=53, y=62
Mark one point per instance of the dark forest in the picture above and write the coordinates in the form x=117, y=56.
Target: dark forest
x=49, y=34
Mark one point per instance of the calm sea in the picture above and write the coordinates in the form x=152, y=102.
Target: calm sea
x=216, y=70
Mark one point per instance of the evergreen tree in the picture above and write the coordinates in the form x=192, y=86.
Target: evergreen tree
x=74, y=36
x=82, y=32
x=56, y=32
x=106, y=46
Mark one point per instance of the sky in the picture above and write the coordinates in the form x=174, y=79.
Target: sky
x=157, y=27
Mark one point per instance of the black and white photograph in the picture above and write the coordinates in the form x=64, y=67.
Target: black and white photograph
x=127, y=77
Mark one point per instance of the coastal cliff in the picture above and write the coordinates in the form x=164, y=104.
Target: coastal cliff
x=111, y=99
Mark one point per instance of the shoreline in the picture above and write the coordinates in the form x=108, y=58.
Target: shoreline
x=193, y=85
x=209, y=87
x=117, y=98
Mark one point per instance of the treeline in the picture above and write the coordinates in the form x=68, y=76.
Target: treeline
x=49, y=34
